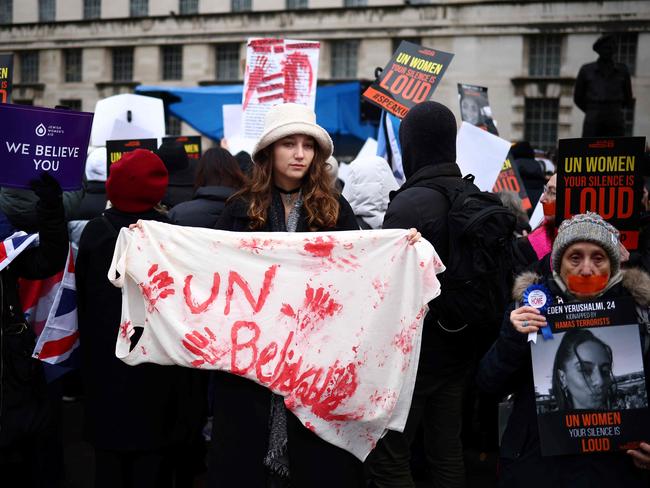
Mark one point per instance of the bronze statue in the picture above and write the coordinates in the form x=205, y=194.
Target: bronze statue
x=602, y=90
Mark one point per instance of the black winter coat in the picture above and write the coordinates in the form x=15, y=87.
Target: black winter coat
x=417, y=204
x=506, y=368
x=23, y=405
x=241, y=414
x=204, y=209
x=181, y=186
x=128, y=408
x=93, y=202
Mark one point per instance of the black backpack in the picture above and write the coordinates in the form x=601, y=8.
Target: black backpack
x=478, y=277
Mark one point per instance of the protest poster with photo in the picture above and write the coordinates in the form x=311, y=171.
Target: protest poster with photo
x=192, y=144
x=34, y=140
x=475, y=107
x=509, y=179
x=410, y=77
x=602, y=175
x=115, y=149
x=277, y=71
x=590, y=383
x=6, y=76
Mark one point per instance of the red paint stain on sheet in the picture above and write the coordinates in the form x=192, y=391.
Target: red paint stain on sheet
x=317, y=306
x=124, y=329
x=404, y=339
x=159, y=288
x=205, y=346
x=320, y=248
x=255, y=245
x=310, y=426
x=380, y=287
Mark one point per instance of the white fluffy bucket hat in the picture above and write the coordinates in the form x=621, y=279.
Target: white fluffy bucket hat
x=289, y=119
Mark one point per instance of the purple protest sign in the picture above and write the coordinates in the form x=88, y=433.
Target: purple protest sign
x=36, y=139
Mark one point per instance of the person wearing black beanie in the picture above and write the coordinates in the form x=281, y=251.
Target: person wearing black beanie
x=427, y=136
x=181, y=173
x=428, y=141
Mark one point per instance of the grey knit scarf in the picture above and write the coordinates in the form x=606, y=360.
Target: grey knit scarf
x=277, y=459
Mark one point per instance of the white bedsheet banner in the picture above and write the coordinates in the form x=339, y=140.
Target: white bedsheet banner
x=331, y=321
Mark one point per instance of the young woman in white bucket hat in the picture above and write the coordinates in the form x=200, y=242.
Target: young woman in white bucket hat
x=256, y=441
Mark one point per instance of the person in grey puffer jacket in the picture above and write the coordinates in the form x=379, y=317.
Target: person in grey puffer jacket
x=366, y=189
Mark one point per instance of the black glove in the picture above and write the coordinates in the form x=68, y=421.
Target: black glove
x=47, y=189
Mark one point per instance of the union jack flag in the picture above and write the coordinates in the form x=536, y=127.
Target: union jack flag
x=60, y=335
x=13, y=245
x=50, y=305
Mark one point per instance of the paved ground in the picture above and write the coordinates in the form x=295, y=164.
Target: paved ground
x=80, y=463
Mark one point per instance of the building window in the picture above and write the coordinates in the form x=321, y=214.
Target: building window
x=398, y=40
x=29, y=67
x=71, y=103
x=172, y=62
x=296, y=4
x=541, y=119
x=227, y=62
x=72, y=65
x=139, y=8
x=240, y=5
x=6, y=11
x=122, y=64
x=92, y=9
x=355, y=3
x=628, y=119
x=188, y=7
x=22, y=102
x=344, y=59
x=46, y=10
x=626, y=47
x=544, y=55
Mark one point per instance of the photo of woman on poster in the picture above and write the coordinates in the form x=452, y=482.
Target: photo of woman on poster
x=582, y=373
x=475, y=107
x=590, y=369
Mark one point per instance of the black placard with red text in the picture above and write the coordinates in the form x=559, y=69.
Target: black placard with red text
x=509, y=179
x=6, y=76
x=410, y=77
x=192, y=144
x=595, y=357
x=602, y=175
x=115, y=149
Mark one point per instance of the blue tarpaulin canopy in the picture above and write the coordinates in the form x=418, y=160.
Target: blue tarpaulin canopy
x=337, y=107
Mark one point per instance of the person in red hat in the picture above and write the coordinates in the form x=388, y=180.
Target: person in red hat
x=138, y=418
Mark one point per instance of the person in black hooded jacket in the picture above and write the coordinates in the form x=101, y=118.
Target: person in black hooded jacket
x=30, y=450
x=181, y=173
x=141, y=420
x=428, y=139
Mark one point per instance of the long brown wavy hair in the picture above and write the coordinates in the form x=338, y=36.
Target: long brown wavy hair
x=319, y=197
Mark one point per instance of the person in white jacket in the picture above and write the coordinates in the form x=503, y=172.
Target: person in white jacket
x=368, y=183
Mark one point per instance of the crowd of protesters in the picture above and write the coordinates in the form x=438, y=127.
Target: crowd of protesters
x=147, y=423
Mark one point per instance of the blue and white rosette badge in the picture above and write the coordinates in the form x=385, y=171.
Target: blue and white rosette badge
x=539, y=297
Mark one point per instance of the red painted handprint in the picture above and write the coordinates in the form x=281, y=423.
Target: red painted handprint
x=203, y=346
x=317, y=306
x=255, y=79
x=159, y=287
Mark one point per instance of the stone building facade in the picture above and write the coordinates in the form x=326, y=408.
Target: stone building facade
x=526, y=52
